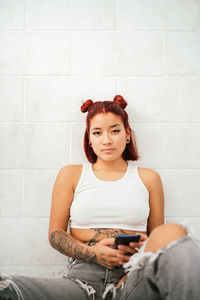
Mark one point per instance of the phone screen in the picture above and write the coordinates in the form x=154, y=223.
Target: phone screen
x=126, y=239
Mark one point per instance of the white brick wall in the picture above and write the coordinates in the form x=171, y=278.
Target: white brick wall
x=53, y=55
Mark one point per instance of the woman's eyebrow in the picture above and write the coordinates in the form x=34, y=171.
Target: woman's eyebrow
x=114, y=125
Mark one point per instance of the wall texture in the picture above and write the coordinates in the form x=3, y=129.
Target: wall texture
x=54, y=55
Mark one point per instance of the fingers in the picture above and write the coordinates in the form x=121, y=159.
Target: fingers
x=108, y=242
x=123, y=258
x=107, y=256
x=143, y=236
x=131, y=249
x=109, y=261
x=135, y=245
x=110, y=258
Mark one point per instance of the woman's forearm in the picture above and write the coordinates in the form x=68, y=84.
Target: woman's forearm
x=67, y=245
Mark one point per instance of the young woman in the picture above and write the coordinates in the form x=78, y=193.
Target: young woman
x=106, y=197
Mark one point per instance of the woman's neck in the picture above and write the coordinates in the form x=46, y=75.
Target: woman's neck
x=117, y=165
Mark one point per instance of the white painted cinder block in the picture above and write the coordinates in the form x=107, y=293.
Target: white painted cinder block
x=25, y=242
x=149, y=139
x=181, y=192
x=11, y=193
x=77, y=154
x=11, y=14
x=182, y=53
x=158, y=15
x=11, y=99
x=116, y=53
x=34, y=53
x=71, y=14
x=32, y=146
x=182, y=145
x=38, y=186
x=161, y=99
x=60, y=99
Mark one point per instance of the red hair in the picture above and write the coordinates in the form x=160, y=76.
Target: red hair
x=116, y=107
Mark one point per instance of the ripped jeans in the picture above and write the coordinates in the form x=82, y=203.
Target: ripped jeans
x=172, y=273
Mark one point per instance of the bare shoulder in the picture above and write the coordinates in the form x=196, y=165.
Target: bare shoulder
x=149, y=177
x=72, y=173
x=62, y=197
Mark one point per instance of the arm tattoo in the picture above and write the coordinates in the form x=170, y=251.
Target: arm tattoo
x=69, y=246
x=109, y=233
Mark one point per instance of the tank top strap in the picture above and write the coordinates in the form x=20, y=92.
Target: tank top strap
x=83, y=176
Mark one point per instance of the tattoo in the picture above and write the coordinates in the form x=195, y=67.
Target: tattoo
x=109, y=233
x=105, y=263
x=68, y=246
x=104, y=260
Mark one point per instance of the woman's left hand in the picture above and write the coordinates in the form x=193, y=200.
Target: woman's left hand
x=127, y=251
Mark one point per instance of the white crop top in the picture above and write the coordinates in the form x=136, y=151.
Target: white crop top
x=122, y=203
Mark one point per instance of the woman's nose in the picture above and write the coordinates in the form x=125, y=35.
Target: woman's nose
x=106, y=139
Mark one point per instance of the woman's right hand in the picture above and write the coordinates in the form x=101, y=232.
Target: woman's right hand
x=106, y=256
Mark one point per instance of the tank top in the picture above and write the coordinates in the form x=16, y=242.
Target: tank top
x=122, y=203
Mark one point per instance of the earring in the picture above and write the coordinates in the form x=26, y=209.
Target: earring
x=90, y=144
x=127, y=141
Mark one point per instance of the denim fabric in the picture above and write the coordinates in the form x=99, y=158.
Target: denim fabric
x=171, y=273
x=82, y=281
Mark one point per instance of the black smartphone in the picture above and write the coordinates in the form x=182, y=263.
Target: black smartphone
x=126, y=239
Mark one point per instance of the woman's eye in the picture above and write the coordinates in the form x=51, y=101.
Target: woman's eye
x=116, y=130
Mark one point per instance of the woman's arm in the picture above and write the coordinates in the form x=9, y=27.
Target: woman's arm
x=156, y=201
x=67, y=245
x=100, y=253
x=62, y=196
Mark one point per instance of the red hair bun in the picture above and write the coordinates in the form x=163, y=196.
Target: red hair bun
x=119, y=100
x=86, y=105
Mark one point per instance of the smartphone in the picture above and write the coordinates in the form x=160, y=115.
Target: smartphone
x=126, y=239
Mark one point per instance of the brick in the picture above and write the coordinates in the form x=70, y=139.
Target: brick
x=158, y=15
x=32, y=146
x=71, y=14
x=37, y=53
x=117, y=53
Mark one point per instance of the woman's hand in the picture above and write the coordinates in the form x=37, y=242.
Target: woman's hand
x=107, y=256
x=126, y=251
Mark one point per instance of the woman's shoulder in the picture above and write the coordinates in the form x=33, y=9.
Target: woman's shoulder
x=72, y=172
x=148, y=172
x=71, y=168
x=148, y=176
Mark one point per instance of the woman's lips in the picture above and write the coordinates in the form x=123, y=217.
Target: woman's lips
x=108, y=150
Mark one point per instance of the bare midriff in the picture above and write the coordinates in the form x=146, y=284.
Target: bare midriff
x=98, y=234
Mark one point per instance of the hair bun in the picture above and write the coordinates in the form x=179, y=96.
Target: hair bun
x=119, y=100
x=86, y=105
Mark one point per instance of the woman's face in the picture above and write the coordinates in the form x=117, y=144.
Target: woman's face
x=107, y=132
